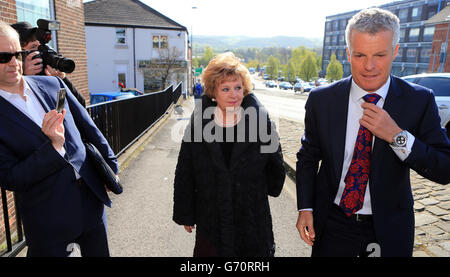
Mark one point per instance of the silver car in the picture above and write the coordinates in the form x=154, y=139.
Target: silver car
x=440, y=84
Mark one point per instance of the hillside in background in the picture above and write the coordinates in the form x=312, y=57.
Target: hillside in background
x=223, y=43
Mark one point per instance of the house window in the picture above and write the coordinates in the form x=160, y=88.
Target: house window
x=414, y=34
x=121, y=36
x=160, y=42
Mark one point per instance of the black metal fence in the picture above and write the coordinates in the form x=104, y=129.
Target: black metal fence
x=122, y=122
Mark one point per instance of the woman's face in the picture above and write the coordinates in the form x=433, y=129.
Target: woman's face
x=229, y=94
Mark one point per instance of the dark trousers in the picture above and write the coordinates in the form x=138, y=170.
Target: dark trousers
x=93, y=240
x=345, y=236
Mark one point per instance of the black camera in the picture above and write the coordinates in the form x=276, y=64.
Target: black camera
x=47, y=54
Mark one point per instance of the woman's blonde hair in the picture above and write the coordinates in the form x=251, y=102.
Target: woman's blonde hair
x=222, y=68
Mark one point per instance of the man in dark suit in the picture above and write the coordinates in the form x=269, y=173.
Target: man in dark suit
x=43, y=159
x=366, y=132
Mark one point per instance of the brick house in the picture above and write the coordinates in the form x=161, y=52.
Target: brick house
x=439, y=59
x=69, y=41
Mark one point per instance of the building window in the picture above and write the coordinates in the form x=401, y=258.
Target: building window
x=428, y=33
x=403, y=14
x=121, y=36
x=343, y=24
x=414, y=34
x=333, y=40
x=328, y=26
x=327, y=40
x=160, y=42
x=336, y=25
x=425, y=54
x=341, y=39
x=32, y=10
x=411, y=55
x=416, y=13
x=402, y=35
x=399, y=55
x=431, y=11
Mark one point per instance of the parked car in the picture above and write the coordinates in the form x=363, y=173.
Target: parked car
x=271, y=84
x=440, y=84
x=302, y=87
x=281, y=79
x=266, y=77
x=285, y=85
x=320, y=82
x=109, y=96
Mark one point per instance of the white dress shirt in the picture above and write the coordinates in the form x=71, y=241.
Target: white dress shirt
x=355, y=112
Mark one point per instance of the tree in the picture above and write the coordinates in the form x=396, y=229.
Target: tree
x=169, y=62
x=273, y=67
x=335, y=70
x=308, y=68
x=207, y=56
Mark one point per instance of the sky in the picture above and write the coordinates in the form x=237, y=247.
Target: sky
x=257, y=18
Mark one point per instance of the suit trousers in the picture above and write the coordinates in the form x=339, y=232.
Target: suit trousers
x=345, y=236
x=93, y=240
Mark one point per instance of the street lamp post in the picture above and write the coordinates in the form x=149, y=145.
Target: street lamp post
x=192, y=53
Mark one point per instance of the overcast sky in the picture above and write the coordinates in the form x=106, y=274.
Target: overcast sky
x=257, y=18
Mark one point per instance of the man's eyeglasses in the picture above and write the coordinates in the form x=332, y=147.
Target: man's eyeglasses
x=5, y=57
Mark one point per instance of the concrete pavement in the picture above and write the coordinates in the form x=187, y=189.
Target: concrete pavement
x=140, y=221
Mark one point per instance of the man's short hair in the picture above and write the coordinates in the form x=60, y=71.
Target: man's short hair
x=372, y=21
x=6, y=30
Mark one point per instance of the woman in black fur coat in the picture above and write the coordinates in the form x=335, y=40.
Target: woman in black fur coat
x=230, y=161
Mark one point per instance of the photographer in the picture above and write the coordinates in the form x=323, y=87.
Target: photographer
x=32, y=63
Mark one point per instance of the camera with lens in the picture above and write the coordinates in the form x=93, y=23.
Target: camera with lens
x=47, y=54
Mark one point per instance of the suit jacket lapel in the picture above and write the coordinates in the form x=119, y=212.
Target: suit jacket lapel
x=338, y=127
x=43, y=97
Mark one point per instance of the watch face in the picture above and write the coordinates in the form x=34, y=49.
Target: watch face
x=400, y=140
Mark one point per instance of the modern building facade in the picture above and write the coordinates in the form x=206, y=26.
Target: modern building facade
x=131, y=43
x=416, y=36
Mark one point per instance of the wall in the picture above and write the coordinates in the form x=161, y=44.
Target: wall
x=441, y=32
x=8, y=15
x=71, y=41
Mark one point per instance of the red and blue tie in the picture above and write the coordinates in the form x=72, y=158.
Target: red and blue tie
x=358, y=173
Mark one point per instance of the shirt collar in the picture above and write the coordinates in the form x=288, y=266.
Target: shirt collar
x=357, y=93
x=8, y=95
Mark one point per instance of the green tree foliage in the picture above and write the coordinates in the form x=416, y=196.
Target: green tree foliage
x=273, y=66
x=335, y=70
x=308, y=67
x=207, y=56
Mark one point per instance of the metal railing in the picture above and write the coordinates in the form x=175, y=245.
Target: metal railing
x=122, y=122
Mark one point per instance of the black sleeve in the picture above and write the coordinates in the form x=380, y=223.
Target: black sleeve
x=75, y=92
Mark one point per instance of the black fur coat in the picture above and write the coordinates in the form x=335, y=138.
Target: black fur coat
x=228, y=204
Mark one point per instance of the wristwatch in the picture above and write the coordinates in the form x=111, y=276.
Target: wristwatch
x=400, y=139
